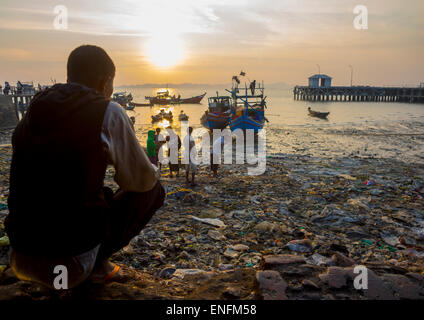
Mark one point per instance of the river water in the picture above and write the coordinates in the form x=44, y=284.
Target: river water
x=364, y=129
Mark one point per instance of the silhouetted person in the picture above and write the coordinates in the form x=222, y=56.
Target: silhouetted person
x=60, y=213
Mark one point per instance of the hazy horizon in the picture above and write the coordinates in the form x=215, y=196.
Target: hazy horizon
x=209, y=41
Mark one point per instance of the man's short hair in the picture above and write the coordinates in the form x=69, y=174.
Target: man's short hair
x=87, y=64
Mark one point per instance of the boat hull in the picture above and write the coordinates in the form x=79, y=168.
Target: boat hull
x=193, y=100
x=244, y=122
x=215, y=120
x=321, y=115
x=158, y=101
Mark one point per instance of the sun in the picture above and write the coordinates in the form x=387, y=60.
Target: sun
x=164, y=51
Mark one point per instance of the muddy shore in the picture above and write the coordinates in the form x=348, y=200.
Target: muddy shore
x=295, y=232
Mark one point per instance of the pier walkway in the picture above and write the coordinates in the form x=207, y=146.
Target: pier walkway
x=359, y=93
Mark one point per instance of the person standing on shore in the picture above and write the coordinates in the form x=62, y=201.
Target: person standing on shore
x=216, y=150
x=191, y=166
x=159, y=141
x=174, y=145
x=152, y=147
x=60, y=212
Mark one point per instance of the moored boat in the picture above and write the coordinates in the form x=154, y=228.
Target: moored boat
x=123, y=99
x=164, y=98
x=218, y=114
x=248, y=109
x=192, y=100
x=317, y=114
x=163, y=115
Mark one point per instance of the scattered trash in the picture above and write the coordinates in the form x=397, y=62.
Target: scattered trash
x=304, y=245
x=181, y=273
x=4, y=241
x=369, y=183
x=214, y=222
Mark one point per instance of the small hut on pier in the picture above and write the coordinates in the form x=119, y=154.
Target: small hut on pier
x=320, y=81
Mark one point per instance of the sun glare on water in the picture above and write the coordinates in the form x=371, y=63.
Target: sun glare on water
x=164, y=51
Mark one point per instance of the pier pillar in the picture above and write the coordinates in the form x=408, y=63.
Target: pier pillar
x=8, y=115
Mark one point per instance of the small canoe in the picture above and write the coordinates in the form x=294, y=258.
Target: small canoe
x=160, y=117
x=317, y=114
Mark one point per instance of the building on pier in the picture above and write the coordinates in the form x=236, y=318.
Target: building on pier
x=319, y=81
x=320, y=89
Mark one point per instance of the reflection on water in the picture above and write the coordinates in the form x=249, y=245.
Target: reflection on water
x=394, y=130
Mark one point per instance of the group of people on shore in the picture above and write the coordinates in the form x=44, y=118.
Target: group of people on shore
x=156, y=141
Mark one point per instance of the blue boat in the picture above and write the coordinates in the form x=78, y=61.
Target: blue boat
x=248, y=110
x=218, y=113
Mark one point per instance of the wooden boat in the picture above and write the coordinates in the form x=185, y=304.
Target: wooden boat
x=164, y=98
x=322, y=115
x=218, y=114
x=192, y=100
x=123, y=99
x=248, y=109
x=163, y=115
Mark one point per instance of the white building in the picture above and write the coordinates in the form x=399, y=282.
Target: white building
x=320, y=81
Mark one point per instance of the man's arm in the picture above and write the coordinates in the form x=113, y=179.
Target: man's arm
x=134, y=171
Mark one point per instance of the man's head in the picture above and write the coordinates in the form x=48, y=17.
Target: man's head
x=91, y=66
x=157, y=130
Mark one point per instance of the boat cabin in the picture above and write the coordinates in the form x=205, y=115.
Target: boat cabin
x=219, y=103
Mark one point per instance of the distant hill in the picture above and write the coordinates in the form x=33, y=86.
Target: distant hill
x=276, y=85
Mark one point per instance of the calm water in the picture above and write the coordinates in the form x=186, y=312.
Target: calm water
x=390, y=130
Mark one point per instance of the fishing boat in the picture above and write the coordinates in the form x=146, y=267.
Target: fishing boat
x=317, y=114
x=248, y=108
x=123, y=99
x=218, y=114
x=164, y=98
x=163, y=115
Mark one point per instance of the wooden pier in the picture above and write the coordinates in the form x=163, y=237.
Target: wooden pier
x=359, y=93
x=21, y=102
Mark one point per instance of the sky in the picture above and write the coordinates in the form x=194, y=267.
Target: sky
x=209, y=41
